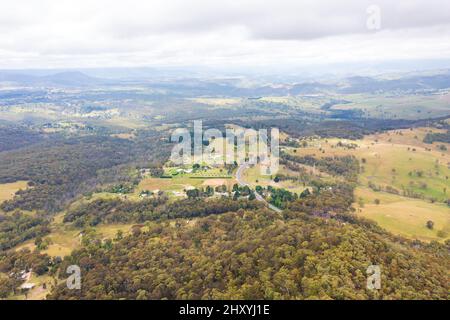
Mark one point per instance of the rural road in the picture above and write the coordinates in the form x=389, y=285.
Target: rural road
x=242, y=183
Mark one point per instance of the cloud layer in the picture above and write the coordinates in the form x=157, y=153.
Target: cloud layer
x=90, y=33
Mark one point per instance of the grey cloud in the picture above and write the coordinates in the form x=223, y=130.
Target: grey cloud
x=262, y=32
x=281, y=19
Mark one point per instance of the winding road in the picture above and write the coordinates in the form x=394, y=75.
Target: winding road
x=242, y=183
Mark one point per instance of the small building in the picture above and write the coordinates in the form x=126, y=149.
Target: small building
x=178, y=194
x=146, y=171
x=27, y=286
x=222, y=194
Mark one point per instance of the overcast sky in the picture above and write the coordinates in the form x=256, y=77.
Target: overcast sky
x=102, y=33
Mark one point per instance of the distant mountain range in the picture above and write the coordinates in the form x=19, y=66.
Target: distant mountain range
x=60, y=79
x=367, y=84
x=194, y=86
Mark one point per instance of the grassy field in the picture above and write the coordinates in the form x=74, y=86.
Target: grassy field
x=42, y=287
x=404, y=216
x=7, y=190
x=174, y=184
x=64, y=238
x=304, y=102
x=127, y=136
x=219, y=102
x=385, y=106
x=104, y=196
x=404, y=106
x=399, y=159
x=405, y=169
x=254, y=177
x=182, y=182
x=402, y=160
x=195, y=178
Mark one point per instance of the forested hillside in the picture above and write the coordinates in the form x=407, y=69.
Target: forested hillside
x=257, y=254
x=62, y=169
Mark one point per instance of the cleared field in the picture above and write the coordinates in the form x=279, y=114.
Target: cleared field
x=401, y=168
x=215, y=182
x=418, y=106
x=42, y=286
x=404, y=216
x=182, y=182
x=104, y=196
x=397, y=158
x=210, y=174
x=124, y=122
x=8, y=190
x=217, y=101
x=402, y=160
x=128, y=136
x=310, y=103
x=152, y=184
x=63, y=242
x=174, y=185
x=109, y=231
x=411, y=137
x=254, y=177
x=64, y=239
x=186, y=177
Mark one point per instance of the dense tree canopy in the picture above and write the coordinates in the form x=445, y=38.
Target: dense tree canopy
x=19, y=227
x=257, y=254
x=60, y=170
x=118, y=211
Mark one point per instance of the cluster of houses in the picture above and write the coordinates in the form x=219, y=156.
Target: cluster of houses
x=182, y=194
x=25, y=276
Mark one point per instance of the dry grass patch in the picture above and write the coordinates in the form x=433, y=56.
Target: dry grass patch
x=8, y=190
x=404, y=216
x=128, y=136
